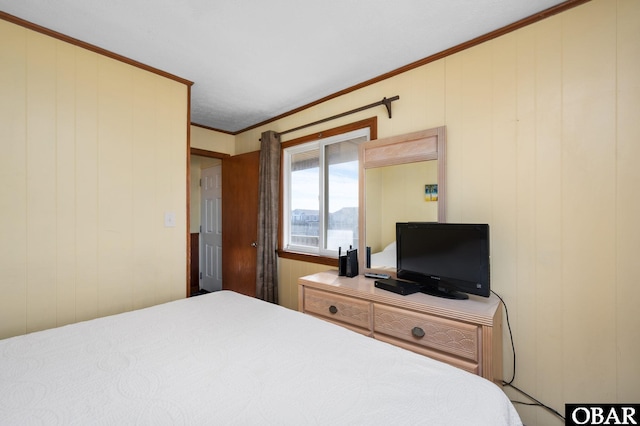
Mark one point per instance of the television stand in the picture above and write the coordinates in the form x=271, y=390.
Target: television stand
x=443, y=292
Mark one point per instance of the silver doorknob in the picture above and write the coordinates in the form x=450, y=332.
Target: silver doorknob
x=254, y=244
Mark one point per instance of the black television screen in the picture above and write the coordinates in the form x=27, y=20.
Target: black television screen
x=446, y=259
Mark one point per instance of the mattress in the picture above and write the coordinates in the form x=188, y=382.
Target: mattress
x=225, y=358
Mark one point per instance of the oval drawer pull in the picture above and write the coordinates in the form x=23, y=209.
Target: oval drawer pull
x=417, y=332
x=333, y=309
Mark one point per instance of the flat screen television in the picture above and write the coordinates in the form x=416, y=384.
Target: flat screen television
x=447, y=259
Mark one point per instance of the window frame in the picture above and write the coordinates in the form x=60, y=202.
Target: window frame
x=320, y=146
x=320, y=258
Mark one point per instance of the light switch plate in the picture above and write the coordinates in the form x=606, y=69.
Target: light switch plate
x=169, y=219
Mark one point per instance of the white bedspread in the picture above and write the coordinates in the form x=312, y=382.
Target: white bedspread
x=224, y=358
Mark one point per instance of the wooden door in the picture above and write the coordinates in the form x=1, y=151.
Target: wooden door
x=240, y=222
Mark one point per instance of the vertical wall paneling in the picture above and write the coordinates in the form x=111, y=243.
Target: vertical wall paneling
x=161, y=273
x=588, y=188
x=41, y=182
x=526, y=196
x=115, y=179
x=144, y=194
x=174, y=143
x=548, y=212
x=627, y=297
x=503, y=146
x=286, y=292
x=476, y=134
x=13, y=191
x=433, y=114
x=93, y=155
x=453, y=119
x=418, y=101
x=290, y=270
x=86, y=184
x=64, y=161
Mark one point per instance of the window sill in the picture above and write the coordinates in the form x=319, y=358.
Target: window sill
x=310, y=258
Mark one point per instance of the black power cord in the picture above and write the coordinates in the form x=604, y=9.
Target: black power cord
x=513, y=376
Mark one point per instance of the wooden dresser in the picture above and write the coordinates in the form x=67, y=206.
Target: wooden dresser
x=463, y=333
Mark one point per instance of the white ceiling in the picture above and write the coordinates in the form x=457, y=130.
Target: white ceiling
x=252, y=60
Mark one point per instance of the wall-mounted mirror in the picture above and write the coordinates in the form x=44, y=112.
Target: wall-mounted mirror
x=402, y=179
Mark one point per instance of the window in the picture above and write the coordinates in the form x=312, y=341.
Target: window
x=320, y=194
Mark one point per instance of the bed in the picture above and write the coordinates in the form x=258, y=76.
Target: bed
x=225, y=358
x=386, y=258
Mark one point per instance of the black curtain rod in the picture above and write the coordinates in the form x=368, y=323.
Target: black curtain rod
x=385, y=101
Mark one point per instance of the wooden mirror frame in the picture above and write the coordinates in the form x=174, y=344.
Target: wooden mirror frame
x=413, y=147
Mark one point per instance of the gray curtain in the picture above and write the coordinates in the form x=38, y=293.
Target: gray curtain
x=269, y=190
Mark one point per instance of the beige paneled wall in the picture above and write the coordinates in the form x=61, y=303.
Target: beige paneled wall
x=289, y=271
x=93, y=155
x=627, y=211
x=542, y=133
x=211, y=140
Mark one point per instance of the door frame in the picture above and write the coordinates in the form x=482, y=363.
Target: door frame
x=201, y=153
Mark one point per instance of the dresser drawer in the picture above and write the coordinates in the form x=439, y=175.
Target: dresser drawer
x=338, y=308
x=463, y=333
x=451, y=337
